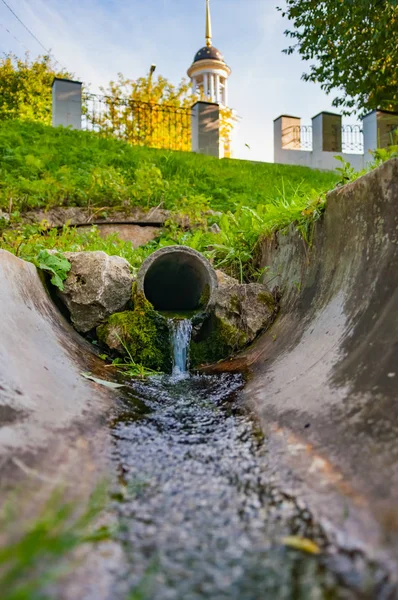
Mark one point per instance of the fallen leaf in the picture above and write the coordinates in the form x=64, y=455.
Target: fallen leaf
x=301, y=543
x=103, y=382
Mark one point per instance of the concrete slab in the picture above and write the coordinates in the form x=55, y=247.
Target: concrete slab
x=53, y=432
x=324, y=378
x=51, y=418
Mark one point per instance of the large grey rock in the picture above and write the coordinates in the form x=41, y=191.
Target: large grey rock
x=247, y=308
x=97, y=286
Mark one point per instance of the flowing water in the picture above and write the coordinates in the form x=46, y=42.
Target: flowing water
x=181, y=330
x=199, y=517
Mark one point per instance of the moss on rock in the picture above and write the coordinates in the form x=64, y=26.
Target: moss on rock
x=205, y=297
x=219, y=339
x=240, y=314
x=143, y=331
x=267, y=298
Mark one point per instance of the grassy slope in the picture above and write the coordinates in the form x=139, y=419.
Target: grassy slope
x=42, y=166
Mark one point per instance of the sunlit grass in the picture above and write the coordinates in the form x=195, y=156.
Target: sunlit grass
x=38, y=553
x=41, y=167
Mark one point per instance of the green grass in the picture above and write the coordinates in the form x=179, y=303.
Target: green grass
x=233, y=249
x=40, y=552
x=41, y=167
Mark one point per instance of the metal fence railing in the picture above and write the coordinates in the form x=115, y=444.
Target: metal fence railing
x=299, y=137
x=302, y=137
x=352, y=139
x=139, y=123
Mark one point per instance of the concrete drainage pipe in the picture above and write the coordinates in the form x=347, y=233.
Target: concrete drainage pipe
x=178, y=279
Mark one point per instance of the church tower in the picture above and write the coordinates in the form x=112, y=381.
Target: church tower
x=209, y=73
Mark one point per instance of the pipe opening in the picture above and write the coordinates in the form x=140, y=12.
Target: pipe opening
x=177, y=282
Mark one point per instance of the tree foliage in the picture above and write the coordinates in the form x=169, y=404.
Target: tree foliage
x=25, y=87
x=228, y=120
x=354, y=46
x=153, y=112
x=154, y=90
x=148, y=112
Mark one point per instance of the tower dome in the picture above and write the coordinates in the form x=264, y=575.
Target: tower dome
x=209, y=73
x=208, y=52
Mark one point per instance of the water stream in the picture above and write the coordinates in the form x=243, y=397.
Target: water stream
x=199, y=517
x=181, y=330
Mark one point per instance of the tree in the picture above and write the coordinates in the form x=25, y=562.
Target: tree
x=228, y=120
x=354, y=44
x=152, y=112
x=147, y=111
x=25, y=87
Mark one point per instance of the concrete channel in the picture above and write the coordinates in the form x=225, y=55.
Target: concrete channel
x=323, y=381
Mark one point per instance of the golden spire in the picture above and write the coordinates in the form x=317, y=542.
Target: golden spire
x=208, y=24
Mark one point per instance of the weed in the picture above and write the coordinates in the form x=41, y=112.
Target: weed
x=347, y=172
x=26, y=241
x=298, y=285
x=43, y=553
x=55, y=264
x=383, y=154
x=129, y=366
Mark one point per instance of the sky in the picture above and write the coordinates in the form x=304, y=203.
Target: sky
x=96, y=39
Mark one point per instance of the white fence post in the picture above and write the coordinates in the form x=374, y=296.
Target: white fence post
x=67, y=103
x=378, y=128
x=206, y=129
x=286, y=136
x=326, y=132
